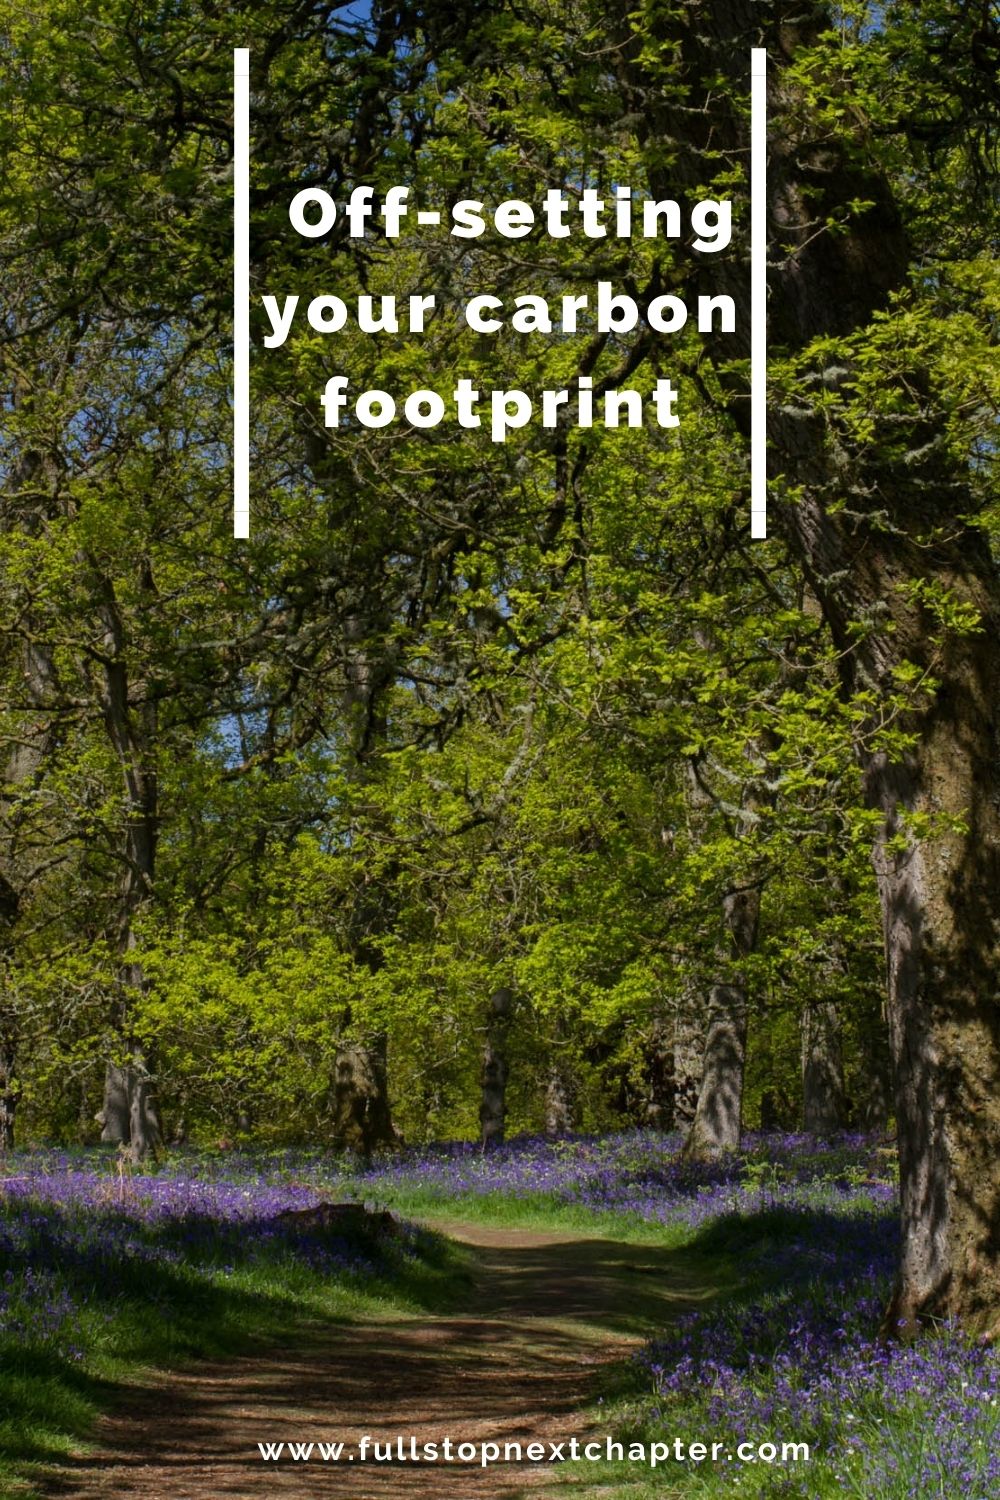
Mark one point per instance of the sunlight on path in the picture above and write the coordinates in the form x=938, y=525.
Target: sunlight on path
x=546, y=1312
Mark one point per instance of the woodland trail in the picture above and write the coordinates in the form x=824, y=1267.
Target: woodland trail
x=546, y=1312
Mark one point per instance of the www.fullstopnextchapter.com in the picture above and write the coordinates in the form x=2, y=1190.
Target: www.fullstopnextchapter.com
x=408, y=1449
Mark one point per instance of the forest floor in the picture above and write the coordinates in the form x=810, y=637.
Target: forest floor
x=546, y=1317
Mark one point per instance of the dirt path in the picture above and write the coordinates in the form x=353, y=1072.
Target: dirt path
x=546, y=1312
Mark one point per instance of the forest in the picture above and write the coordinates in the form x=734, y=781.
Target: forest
x=495, y=788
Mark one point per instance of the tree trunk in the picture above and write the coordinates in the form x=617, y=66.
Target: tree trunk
x=8, y=1112
x=10, y=1094
x=145, y=1134
x=129, y=1116
x=689, y=1058
x=362, y=1119
x=493, y=1108
x=23, y=769
x=560, y=1102
x=878, y=529
x=659, y=1059
x=939, y=893
x=718, y=1119
x=822, y=1068
x=939, y=910
x=875, y=1094
x=116, y=1111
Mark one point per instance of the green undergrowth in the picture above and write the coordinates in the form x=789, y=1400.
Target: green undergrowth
x=535, y=1211
x=152, y=1317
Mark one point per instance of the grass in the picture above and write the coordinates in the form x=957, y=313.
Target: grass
x=540, y=1211
x=124, y=1295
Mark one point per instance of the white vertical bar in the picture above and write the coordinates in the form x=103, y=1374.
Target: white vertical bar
x=758, y=293
x=241, y=292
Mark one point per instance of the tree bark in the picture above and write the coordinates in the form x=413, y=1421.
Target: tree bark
x=10, y=1093
x=688, y=1059
x=493, y=1108
x=822, y=1068
x=659, y=1059
x=718, y=1118
x=875, y=1094
x=362, y=1120
x=361, y=1105
x=130, y=1111
x=939, y=912
x=129, y=1116
x=24, y=768
x=560, y=1102
x=116, y=1110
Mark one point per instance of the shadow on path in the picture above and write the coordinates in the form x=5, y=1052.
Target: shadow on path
x=546, y=1311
